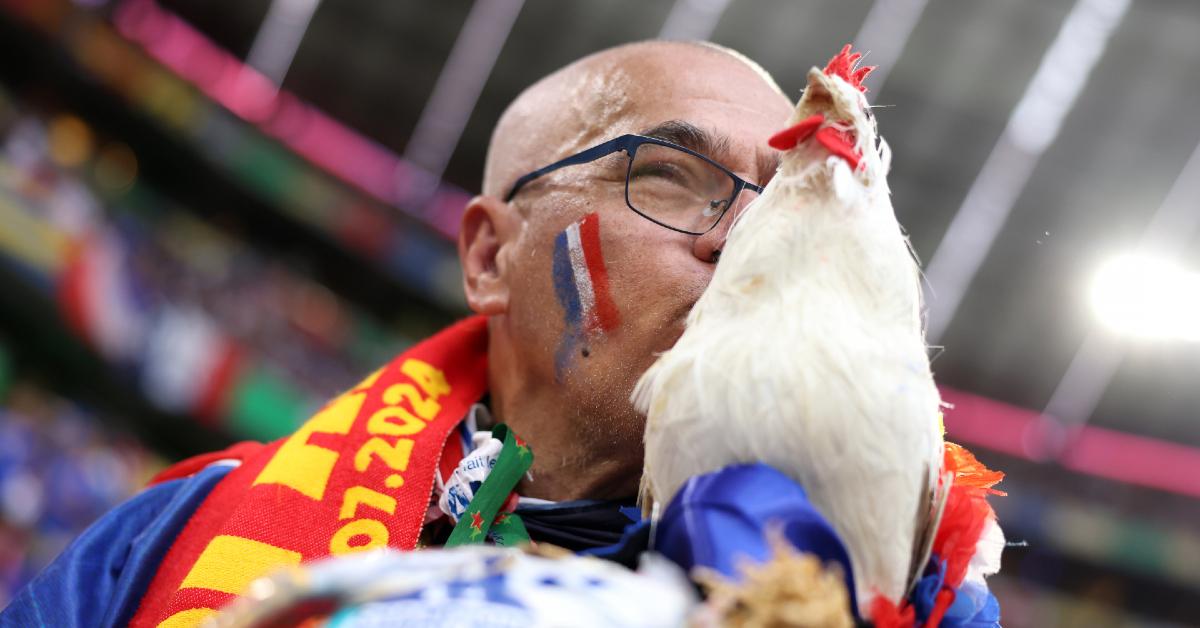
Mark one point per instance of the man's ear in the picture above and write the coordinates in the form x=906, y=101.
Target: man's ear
x=488, y=225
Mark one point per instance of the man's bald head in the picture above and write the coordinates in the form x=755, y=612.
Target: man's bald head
x=584, y=103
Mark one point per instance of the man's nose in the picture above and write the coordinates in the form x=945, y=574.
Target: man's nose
x=708, y=247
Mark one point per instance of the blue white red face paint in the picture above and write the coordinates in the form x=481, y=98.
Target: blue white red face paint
x=581, y=285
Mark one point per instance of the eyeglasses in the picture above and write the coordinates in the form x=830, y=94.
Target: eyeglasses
x=667, y=184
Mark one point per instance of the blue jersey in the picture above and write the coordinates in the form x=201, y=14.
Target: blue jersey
x=99, y=580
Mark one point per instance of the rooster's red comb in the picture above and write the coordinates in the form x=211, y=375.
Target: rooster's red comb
x=843, y=65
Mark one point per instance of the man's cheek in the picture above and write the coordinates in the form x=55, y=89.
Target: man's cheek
x=581, y=286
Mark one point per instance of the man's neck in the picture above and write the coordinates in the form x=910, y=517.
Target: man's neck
x=568, y=464
x=565, y=466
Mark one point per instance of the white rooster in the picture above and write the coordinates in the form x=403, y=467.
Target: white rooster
x=806, y=352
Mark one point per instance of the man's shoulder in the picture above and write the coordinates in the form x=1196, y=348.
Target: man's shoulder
x=106, y=570
x=227, y=458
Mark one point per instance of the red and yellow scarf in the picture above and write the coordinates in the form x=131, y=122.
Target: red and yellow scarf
x=356, y=476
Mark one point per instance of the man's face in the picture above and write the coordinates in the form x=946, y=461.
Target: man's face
x=579, y=235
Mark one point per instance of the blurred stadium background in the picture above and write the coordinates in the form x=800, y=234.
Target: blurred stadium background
x=214, y=214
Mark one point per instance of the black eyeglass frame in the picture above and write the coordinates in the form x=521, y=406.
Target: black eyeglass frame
x=629, y=144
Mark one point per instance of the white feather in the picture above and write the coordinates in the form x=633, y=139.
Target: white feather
x=986, y=560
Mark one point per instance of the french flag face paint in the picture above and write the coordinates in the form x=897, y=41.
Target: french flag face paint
x=581, y=285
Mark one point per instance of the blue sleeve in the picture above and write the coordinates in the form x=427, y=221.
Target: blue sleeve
x=100, y=578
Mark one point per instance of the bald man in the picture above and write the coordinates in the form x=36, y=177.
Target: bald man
x=607, y=195
x=577, y=415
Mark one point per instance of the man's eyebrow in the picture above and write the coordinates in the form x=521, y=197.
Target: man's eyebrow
x=688, y=135
x=713, y=146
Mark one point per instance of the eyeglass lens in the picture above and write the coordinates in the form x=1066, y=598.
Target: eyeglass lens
x=677, y=188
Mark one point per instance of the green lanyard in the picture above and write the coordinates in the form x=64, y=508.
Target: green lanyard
x=483, y=513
